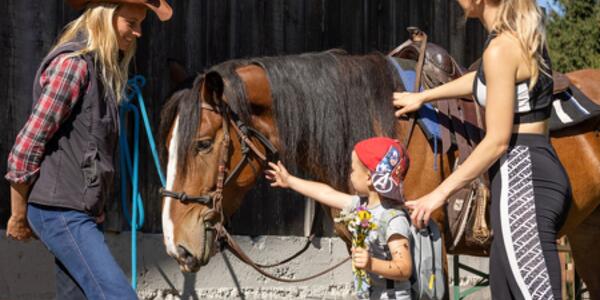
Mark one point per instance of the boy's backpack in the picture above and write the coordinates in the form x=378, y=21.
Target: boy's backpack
x=427, y=279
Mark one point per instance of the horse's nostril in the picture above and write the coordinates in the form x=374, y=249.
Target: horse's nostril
x=182, y=252
x=188, y=262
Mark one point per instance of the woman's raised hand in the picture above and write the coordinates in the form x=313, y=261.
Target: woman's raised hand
x=278, y=174
x=406, y=102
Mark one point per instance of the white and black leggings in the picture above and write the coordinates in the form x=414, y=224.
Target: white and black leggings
x=531, y=196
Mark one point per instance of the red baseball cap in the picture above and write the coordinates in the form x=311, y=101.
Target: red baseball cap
x=387, y=161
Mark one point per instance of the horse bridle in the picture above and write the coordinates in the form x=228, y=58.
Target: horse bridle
x=214, y=199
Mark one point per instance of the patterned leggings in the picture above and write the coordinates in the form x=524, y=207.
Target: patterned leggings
x=531, y=196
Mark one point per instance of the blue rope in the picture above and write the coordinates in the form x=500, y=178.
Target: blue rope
x=130, y=169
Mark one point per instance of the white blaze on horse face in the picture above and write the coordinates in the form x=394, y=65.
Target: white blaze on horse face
x=167, y=222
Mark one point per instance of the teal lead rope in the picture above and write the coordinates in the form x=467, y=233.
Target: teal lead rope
x=130, y=169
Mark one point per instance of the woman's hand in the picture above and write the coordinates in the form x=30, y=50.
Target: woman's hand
x=279, y=175
x=423, y=207
x=361, y=258
x=18, y=229
x=408, y=102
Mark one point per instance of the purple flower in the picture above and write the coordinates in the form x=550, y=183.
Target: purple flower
x=364, y=223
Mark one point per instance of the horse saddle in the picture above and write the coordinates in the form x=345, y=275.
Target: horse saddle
x=460, y=126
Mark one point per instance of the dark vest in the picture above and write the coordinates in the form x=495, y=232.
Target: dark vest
x=78, y=167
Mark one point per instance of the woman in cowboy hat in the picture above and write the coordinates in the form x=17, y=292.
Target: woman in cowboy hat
x=61, y=167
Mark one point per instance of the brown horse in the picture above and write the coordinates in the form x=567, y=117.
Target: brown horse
x=313, y=108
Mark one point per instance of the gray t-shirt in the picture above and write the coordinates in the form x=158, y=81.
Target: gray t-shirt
x=380, y=288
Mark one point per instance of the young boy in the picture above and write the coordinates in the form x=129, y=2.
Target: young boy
x=378, y=167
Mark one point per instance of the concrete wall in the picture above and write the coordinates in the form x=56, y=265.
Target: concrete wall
x=27, y=270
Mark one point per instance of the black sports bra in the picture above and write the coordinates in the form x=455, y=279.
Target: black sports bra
x=530, y=105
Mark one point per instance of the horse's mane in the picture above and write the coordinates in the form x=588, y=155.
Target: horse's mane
x=323, y=104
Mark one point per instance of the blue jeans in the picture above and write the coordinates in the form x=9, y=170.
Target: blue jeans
x=78, y=245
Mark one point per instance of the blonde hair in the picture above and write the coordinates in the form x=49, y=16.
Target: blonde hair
x=96, y=25
x=524, y=20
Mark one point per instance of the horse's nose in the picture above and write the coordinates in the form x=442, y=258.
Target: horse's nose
x=186, y=259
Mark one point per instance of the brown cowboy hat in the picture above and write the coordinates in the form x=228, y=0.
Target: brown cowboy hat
x=160, y=7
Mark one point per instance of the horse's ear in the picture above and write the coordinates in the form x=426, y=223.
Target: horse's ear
x=212, y=88
x=177, y=72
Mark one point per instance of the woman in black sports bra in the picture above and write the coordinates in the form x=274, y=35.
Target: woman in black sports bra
x=531, y=194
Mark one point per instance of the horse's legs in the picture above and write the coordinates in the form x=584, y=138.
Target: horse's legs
x=584, y=242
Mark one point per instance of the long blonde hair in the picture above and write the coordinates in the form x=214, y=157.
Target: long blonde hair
x=96, y=25
x=524, y=20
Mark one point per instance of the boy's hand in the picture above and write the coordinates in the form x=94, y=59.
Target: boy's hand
x=279, y=175
x=361, y=258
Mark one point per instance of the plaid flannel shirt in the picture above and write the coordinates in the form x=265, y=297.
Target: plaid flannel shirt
x=62, y=82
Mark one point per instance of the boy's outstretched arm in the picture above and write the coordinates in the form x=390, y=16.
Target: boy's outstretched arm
x=399, y=268
x=321, y=192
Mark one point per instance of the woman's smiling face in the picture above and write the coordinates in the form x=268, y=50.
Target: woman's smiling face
x=128, y=24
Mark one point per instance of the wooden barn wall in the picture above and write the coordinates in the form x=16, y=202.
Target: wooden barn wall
x=205, y=32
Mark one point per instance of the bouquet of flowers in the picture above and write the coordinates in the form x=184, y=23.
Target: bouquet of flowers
x=359, y=224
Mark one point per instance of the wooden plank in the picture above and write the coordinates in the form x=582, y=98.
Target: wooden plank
x=440, y=23
x=217, y=33
x=475, y=38
x=403, y=20
x=248, y=37
x=274, y=28
x=353, y=26
x=332, y=24
x=195, y=34
x=314, y=23
x=294, y=26
x=373, y=25
x=457, y=33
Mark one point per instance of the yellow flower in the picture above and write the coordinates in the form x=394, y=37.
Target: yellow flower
x=364, y=215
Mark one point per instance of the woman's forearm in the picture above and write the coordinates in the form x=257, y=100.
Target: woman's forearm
x=18, y=199
x=480, y=160
x=460, y=87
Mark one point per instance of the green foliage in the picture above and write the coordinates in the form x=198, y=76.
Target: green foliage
x=574, y=36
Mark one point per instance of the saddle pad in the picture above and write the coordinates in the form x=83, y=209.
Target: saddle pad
x=427, y=116
x=570, y=108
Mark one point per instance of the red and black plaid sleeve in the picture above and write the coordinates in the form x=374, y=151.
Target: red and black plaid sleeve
x=62, y=82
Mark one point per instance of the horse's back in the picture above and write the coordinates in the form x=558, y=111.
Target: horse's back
x=578, y=149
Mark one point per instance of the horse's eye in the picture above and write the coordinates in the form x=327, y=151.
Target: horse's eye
x=203, y=145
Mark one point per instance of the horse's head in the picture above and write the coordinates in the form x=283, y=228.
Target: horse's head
x=213, y=157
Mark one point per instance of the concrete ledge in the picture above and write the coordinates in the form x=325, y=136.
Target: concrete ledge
x=28, y=270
